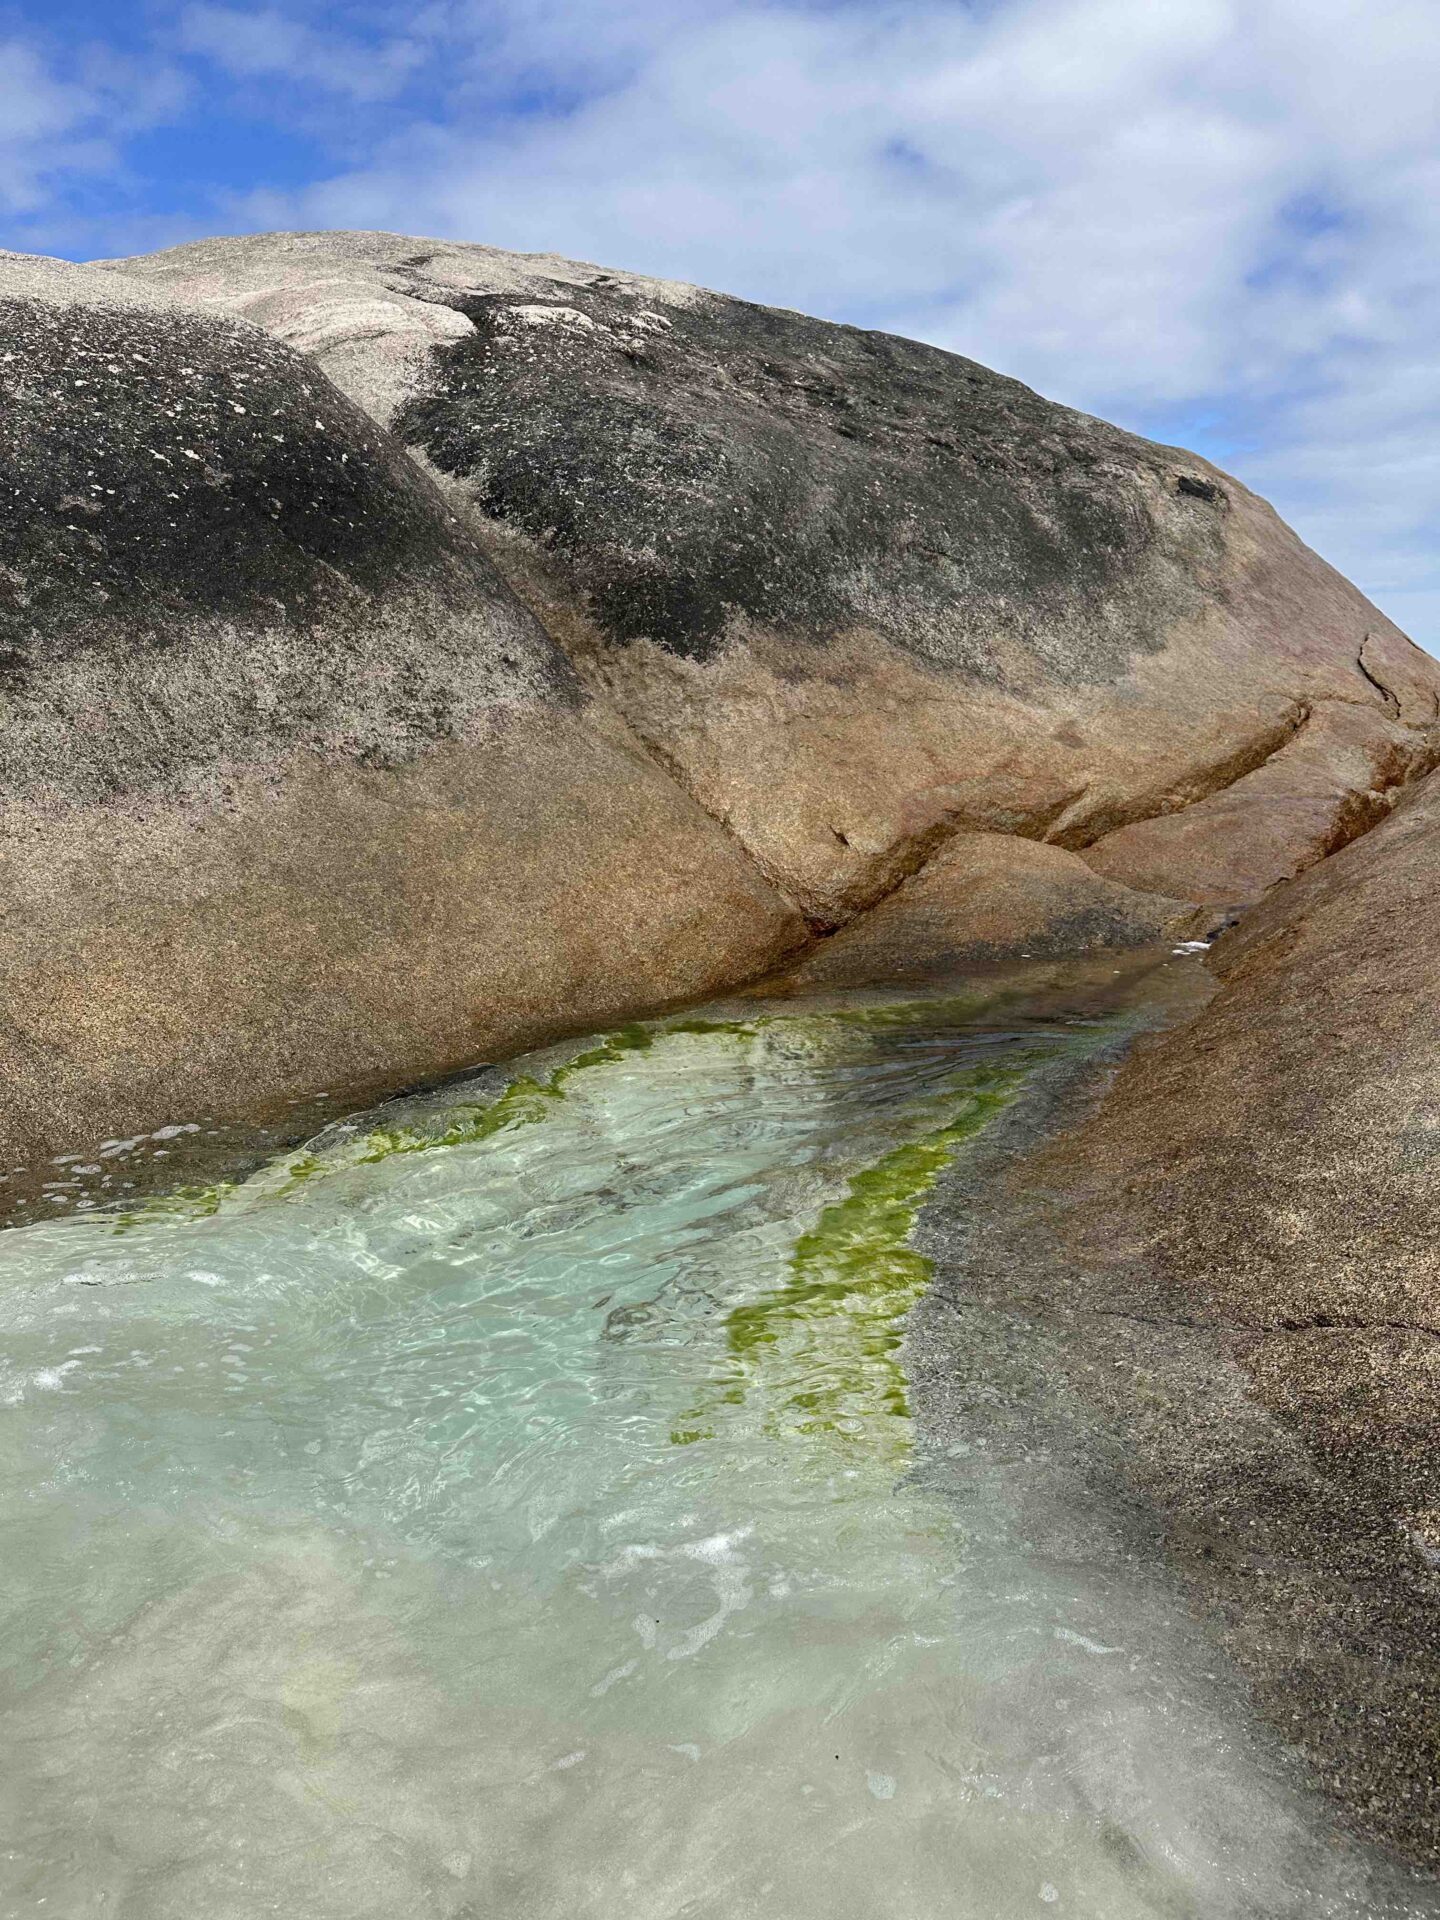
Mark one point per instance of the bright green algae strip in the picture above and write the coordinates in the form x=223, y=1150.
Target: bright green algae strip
x=184, y=1203
x=523, y=1102
x=822, y=1349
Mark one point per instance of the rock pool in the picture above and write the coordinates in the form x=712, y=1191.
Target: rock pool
x=516, y=1505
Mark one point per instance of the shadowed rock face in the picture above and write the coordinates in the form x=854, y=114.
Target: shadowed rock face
x=295, y=792
x=199, y=474
x=718, y=466
x=856, y=593
x=195, y=513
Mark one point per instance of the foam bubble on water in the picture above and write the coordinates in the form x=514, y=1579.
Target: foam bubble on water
x=1078, y=1640
x=732, y=1590
x=52, y=1379
x=719, y=1548
x=616, y=1674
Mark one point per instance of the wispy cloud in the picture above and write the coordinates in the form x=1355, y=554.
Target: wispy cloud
x=50, y=128
x=1212, y=220
x=250, y=44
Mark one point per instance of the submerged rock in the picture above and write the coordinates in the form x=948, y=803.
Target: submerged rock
x=859, y=594
x=295, y=793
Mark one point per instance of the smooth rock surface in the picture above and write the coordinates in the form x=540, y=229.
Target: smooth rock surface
x=295, y=793
x=981, y=897
x=1335, y=778
x=857, y=593
x=1253, y=1216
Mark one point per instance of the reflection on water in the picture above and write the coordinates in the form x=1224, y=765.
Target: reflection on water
x=509, y=1509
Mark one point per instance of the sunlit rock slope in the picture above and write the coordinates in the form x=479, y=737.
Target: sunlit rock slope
x=295, y=793
x=859, y=594
x=683, y=631
x=1236, y=1254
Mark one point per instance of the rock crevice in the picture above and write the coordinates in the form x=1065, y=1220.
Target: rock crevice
x=1392, y=700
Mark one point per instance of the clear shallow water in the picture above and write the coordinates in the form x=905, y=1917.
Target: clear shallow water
x=514, y=1509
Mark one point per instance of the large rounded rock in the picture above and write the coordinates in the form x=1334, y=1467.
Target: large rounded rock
x=296, y=794
x=857, y=593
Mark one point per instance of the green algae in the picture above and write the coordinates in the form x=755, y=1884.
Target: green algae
x=522, y=1103
x=820, y=1353
x=181, y=1204
x=528, y=1099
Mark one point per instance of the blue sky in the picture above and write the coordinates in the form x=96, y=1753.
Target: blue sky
x=1216, y=223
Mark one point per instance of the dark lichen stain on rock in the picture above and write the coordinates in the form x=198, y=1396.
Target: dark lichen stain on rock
x=723, y=463
x=169, y=464
x=1196, y=488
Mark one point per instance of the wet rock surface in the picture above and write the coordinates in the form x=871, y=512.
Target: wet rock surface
x=1237, y=1254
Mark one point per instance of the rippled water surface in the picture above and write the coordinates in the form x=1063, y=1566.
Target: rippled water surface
x=515, y=1508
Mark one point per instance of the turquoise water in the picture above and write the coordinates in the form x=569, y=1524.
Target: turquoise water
x=517, y=1509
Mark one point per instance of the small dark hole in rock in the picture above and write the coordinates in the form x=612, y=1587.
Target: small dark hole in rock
x=1198, y=489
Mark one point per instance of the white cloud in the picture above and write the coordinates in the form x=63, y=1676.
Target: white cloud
x=268, y=43
x=65, y=118
x=1146, y=207
x=48, y=127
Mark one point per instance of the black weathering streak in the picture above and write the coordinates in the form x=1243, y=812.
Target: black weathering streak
x=165, y=466
x=716, y=463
